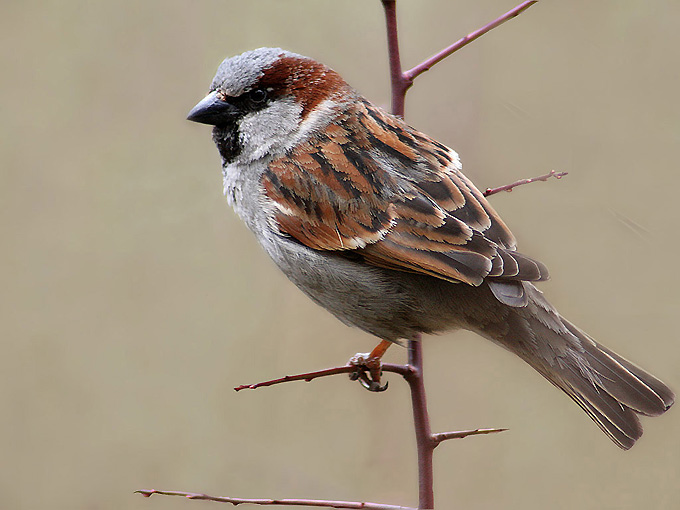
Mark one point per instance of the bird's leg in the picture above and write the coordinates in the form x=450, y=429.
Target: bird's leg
x=369, y=367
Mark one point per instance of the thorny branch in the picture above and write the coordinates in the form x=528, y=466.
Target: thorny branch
x=413, y=371
x=402, y=81
x=402, y=370
x=319, y=503
x=421, y=421
x=445, y=436
x=510, y=187
x=426, y=440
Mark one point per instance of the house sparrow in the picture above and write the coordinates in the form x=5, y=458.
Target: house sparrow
x=375, y=222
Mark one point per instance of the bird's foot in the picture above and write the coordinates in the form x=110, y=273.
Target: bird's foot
x=369, y=367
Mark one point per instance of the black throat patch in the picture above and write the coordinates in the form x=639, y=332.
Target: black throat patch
x=227, y=140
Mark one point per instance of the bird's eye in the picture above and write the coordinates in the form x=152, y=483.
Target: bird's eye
x=257, y=95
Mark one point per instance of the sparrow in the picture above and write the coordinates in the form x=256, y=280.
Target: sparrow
x=376, y=222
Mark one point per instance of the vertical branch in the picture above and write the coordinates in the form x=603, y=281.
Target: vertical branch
x=421, y=420
x=413, y=372
x=399, y=84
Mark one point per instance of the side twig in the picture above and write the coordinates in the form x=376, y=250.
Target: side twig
x=510, y=187
x=445, y=436
x=290, y=502
x=402, y=81
x=426, y=441
x=402, y=370
x=416, y=71
x=413, y=371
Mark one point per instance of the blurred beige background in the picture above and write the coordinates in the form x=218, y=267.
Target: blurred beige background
x=133, y=299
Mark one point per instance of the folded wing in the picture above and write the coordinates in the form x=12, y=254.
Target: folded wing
x=334, y=193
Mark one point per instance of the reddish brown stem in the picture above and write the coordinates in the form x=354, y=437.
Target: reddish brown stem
x=402, y=370
x=307, y=377
x=416, y=71
x=401, y=81
x=426, y=441
x=399, y=84
x=319, y=503
x=510, y=187
x=445, y=436
x=421, y=420
x=413, y=372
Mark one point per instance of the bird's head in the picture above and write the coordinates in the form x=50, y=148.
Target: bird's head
x=265, y=101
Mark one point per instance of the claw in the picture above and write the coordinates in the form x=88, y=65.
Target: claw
x=362, y=375
x=373, y=386
x=369, y=368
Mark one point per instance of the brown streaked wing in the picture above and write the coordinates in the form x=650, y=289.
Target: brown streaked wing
x=444, y=183
x=438, y=177
x=326, y=202
x=424, y=215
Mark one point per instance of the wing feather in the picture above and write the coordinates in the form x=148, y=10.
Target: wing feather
x=333, y=193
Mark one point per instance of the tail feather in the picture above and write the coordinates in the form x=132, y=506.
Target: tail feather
x=655, y=385
x=609, y=388
x=615, y=419
x=624, y=431
x=627, y=386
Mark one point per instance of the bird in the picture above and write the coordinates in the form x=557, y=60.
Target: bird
x=376, y=222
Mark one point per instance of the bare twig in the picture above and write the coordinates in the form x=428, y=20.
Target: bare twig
x=445, y=436
x=413, y=371
x=290, y=502
x=510, y=187
x=416, y=71
x=402, y=370
x=402, y=81
x=426, y=441
x=307, y=377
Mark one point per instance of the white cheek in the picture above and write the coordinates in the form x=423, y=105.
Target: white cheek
x=270, y=130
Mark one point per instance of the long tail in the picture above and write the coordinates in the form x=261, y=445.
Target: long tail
x=609, y=388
